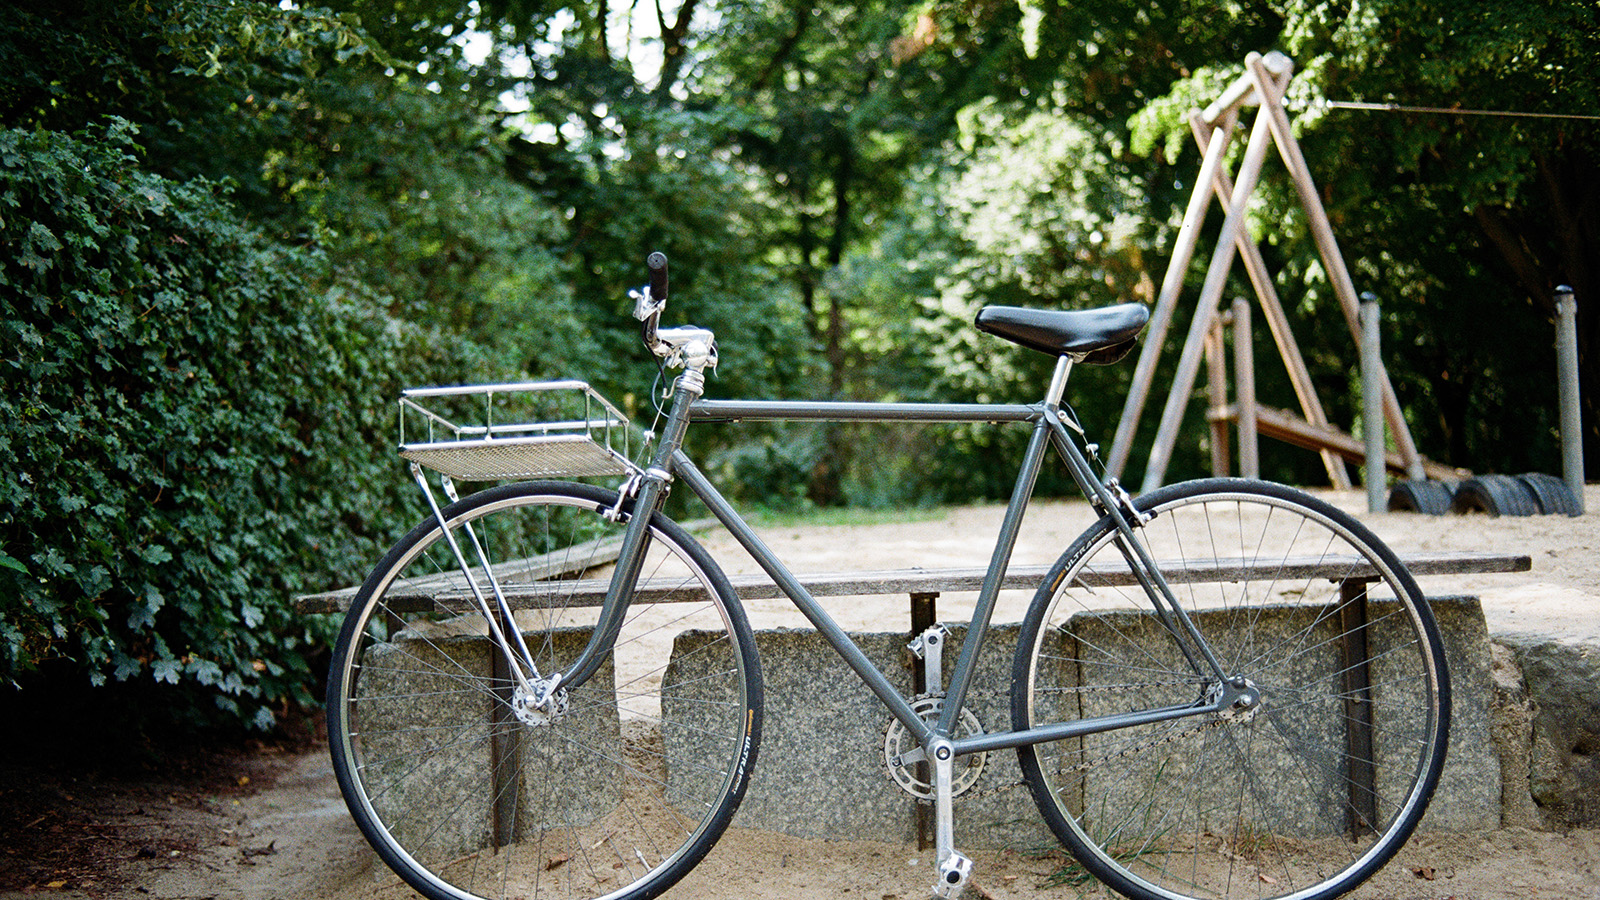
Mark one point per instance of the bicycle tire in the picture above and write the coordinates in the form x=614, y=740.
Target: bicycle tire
x=1281, y=801
x=619, y=794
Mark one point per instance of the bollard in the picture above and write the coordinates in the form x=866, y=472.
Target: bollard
x=1567, y=386
x=1375, y=475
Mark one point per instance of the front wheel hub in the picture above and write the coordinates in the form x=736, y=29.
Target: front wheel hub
x=543, y=705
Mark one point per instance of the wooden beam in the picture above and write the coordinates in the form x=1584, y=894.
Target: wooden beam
x=1285, y=426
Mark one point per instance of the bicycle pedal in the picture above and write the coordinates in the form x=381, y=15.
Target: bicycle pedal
x=953, y=875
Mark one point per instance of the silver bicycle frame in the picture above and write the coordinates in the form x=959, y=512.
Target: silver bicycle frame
x=1049, y=428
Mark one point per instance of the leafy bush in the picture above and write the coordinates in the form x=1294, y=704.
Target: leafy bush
x=191, y=428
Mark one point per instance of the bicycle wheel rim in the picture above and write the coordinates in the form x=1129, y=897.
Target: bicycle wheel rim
x=1274, y=803
x=619, y=794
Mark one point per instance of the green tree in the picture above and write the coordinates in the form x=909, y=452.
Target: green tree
x=1462, y=224
x=187, y=411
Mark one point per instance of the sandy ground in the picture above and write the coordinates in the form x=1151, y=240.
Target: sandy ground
x=288, y=836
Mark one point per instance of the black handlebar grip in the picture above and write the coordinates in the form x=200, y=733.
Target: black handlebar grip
x=657, y=262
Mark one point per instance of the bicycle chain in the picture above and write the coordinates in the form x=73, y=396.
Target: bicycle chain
x=1083, y=766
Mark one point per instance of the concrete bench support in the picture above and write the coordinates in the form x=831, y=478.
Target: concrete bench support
x=821, y=773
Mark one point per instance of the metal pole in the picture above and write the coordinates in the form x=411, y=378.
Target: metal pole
x=1374, y=476
x=1567, y=381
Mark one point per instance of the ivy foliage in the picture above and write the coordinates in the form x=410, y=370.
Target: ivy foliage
x=188, y=410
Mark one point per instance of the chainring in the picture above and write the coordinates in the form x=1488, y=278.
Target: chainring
x=916, y=779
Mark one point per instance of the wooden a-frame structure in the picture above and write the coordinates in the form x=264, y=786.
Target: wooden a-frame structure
x=1263, y=84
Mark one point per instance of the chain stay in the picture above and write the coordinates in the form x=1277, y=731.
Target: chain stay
x=1167, y=738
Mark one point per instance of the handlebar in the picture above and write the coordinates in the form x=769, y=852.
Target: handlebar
x=685, y=346
x=649, y=302
x=657, y=262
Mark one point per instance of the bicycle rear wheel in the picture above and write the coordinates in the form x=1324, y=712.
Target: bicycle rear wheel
x=616, y=793
x=1305, y=794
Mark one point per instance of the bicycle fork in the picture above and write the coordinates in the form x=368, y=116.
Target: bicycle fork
x=534, y=699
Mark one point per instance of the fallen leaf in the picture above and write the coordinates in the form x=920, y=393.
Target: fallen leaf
x=56, y=885
x=1266, y=879
x=556, y=861
x=1426, y=873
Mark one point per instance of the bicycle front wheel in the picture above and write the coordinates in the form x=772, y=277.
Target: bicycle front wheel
x=1330, y=660
x=617, y=787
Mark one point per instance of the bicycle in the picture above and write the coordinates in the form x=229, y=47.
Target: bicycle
x=1200, y=709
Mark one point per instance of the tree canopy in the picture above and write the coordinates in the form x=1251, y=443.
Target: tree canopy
x=238, y=228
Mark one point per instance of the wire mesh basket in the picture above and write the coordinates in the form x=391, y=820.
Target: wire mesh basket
x=542, y=429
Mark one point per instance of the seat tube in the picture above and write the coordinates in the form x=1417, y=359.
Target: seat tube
x=1021, y=492
x=977, y=629
x=1058, y=382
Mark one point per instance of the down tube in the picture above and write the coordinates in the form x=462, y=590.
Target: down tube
x=803, y=601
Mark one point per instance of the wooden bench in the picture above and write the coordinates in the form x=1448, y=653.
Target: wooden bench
x=922, y=586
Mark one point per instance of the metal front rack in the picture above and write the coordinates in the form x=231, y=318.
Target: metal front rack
x=542, y=429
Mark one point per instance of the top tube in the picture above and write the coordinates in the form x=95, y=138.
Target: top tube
x=836, y=411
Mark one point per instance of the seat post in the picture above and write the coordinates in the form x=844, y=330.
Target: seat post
x=1058, y=381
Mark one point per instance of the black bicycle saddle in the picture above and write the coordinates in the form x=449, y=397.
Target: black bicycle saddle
x=1094, y=336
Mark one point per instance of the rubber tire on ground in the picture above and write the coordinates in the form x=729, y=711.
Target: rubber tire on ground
x=1430, y=498
x=1497, y=495
x=620, y=791
x=1255, y=804
x=1552, y=494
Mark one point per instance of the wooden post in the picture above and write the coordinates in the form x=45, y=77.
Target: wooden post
x=1167, y=300
x=1244, y=372
x=1210, y=295
x=1332, y=257
x=1217, y=387
x=1277, y=322
x=1356, y=666
x=924, y=614
x=505, y=743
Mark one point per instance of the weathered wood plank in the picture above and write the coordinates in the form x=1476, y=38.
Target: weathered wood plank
x=450, y=590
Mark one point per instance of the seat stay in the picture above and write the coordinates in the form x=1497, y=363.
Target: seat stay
x=1114, y=503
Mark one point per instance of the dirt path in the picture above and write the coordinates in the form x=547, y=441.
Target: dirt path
x=283, y=832
x=292, y=840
